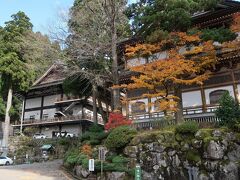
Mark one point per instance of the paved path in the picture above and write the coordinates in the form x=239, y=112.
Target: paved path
x=36, y=171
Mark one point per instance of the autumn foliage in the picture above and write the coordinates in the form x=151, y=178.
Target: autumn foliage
x=185, y=64
x=87, y=150
x=116, y=119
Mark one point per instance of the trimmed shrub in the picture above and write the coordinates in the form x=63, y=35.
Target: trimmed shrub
x=119, y=137
x=120, y=159
x=228, y=111
x=189, y=127
x=96, y=128
x=94, y=135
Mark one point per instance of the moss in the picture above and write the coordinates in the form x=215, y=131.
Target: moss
x=207, y=140
x=179, y=137
x=203, y=133
x=144, y=138
x=193, y=156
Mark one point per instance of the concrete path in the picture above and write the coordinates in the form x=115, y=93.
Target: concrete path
x=36, y=171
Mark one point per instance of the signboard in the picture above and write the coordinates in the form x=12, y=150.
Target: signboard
x=138, y=172
x=101, y=154
x=91, y=165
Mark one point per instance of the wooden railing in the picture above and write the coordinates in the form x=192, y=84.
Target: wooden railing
x=60, y=119
x=156, y=124
x=204, y=119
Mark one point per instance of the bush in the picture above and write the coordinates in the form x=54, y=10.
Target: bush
x=189, y=127
x=120, y=137
x=96, y=128
x=228, y=111
x=116, y=119
x=120, y=159
x=94, y=135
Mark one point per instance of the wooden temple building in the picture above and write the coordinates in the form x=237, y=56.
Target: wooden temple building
x=199, y=102
x=47, y=108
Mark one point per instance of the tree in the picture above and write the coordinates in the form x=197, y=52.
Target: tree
x=149, y=16
x=95, y=27
x=116, y=119
x=163, y=79
x=228, y=111
x=38, y=49
x=14, y=70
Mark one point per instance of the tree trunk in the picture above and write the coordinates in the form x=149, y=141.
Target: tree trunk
x=179, y=113
x=101, y=111
x=94, y=91
x=116, y=92
x=7, y=118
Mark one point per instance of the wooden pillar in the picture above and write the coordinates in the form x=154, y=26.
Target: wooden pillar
x=41, y=112
x=235, y=89
x=204, y=107
x=149, y=107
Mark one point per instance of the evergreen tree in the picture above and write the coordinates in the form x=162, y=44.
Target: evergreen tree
x=15, y=72
x=228, y=111
x=149, y=16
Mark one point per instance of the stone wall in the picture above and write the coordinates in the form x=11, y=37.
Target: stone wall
x=208, y=155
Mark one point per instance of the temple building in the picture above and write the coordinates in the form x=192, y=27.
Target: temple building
x=199, y=102
x=47, y=108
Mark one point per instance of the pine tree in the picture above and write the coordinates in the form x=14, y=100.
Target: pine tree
x=228, y=111
x=15, y=72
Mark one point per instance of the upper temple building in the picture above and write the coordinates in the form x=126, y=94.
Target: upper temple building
x=199, y=102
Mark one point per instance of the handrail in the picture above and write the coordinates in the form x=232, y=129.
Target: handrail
x=61, y=119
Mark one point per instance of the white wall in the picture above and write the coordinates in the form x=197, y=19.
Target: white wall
x=238, y=89
x=30, y=113
x=49, y=100
x=208, y=91
x=48, y=130
x=74, y=129
x=50, y=112
x=33, y=103
x=192, y=98
x=77, y=110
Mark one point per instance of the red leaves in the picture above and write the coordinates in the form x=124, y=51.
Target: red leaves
x=116, y=119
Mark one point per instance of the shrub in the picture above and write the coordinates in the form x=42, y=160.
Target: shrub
x=120, y=137
x=116, y=119
x=87, y=150
x=120, y=159
x=189, y=127
x=96, y=128
x=94, y=135
x=228, y=111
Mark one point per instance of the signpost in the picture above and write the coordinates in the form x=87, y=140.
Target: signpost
x=138, y=173
x=101, y=157
x=91, y=164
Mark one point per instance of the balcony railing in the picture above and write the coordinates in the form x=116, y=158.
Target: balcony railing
x=88, y=117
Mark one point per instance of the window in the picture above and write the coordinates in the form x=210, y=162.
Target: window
x=157, y=105
x=216, y=95
x=32, y=117
x=138, y=107
x=45, y=116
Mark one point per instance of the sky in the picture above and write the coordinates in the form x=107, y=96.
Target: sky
x=42, y=13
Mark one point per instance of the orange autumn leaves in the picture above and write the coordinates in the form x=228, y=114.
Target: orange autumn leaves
x=178, y=68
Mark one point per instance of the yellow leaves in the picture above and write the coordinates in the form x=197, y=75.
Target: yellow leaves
x=235, y=27
x=141, y=50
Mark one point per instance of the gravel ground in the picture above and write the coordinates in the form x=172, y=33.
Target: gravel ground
x=36, y=171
